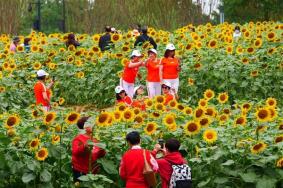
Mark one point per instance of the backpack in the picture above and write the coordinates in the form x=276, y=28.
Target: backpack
x=181, y=176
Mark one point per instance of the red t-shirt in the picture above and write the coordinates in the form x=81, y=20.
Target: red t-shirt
x=168, y=97
x=170, y=68
x=139, y=104
x=129, y=74
x=153, y=71
x=80, y=157
x=127, y=100
x=39, y=88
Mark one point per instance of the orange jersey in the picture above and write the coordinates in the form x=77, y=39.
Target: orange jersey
x=153, y=71
x=39, y=88
x=170, y=68
x=129, y=74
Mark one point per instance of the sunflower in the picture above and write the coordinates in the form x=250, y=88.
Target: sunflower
x=258, y=148
x=136, y=111
x=261, y=128
x=202, y=103
x=80, y=74
x=210, y=111
x=12, y=121
x=116, y=37
x=95, y=49
x=212, y=43
x=273, y=113
x=117, y=115
x=209, y=136
x=271, y=36
x=121, y=107
x=159, y=107
x=229, y=49
x=272, y=102
x=49, y=117
x=150, y=128
x=128, y=115
x=160, y=99
x=270, y=51
x=199, y=112
x=254, y=73
x=197, y=66
x=246, y=106
x=204, y=121
x=70, y=59
x=124, y=61
x=226, y=111
x=34, y=48
x=191, y=81
x=2, y=89
x=241, y=120
x=20, y=48
x=41, y=154
x=52, y=66
x=222, y=97
x=11, y=132
x=155, y=114
x=169, y=119
x=239, y=50
x=34, y=143
x=262, y=115
x=138, y=120
x=190, y=46
x=278, y=138
x=102, y=119
x=222, y=118
x=72, y=118
x=188, y=110
x=192, y=128
x=35, y=114
x=71, y=48
x=36, y=66
x=258, y=43
x=208, y=94
x=250, y=50
x=125, y=48
x=245, y=60
x=61, y=101
x=279, y=163
x=173, y=103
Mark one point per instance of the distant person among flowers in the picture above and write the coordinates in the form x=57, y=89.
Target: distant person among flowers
x=132, y=163
x=153, y=66
x=169, y=92
x=170, y=67
x=139, y=97
x=81, y=151
x=72, y=41
x=105, y=42
x=172, y=156
x=130, y=72
x=237, y=33
x=121, y=96
x=144, y=37
x=26, y=44
x=43, y=93
x=14, y=44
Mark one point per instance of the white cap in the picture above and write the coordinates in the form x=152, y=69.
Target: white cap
x=41, y=73
x=137, y=87
x=167, y=84
x=113, y=29
x=118, y=89
x=170, y=46
x=153, y=50
x=136, y=53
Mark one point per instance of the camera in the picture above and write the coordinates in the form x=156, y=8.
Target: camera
x=161, y=143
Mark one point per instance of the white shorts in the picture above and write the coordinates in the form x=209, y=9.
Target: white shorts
x=128, y=87
x=153, y=89
x=174, y=83
x=46, y=108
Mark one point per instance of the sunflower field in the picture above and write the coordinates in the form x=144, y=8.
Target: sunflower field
x=229, y=117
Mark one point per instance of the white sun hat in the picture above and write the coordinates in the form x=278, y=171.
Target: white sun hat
x=41, y=73
x=170, y=46
x=167, y=84
x=118, y=89
x=136, y=53
x=137, y=87
x=153, y=50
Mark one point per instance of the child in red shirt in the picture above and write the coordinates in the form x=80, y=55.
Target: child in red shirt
x=132, y=163
x=122, y=97
x=81, y=151
x=139, y=97
x=167, y=91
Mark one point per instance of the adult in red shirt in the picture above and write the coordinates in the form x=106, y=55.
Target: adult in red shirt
x=169, y=92
x=130, y=72
x=171, y=156
x=153, y=66
x=121, y=96
x=81, y=151
x=41, y=92
x=132, y=163
x=170, y=67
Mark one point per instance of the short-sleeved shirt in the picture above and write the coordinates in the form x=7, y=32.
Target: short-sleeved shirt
x=39, y=88
x=153, y=71
x=127, y=100
x=170, y=68
x=168, y=97
x=129, y=74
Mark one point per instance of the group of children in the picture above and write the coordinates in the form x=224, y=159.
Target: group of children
x=162, y=77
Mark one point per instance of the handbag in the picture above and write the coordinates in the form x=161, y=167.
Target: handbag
x=148, y=173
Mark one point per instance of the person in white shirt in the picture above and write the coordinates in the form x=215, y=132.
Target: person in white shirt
x=237, y=32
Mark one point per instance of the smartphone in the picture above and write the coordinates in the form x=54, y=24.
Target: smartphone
x=161, y=143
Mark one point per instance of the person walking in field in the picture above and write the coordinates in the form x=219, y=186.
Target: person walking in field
x=133, y=162
x=43, y=93
x=153, y=66
x=105, y=40
x=14, y=44
x=170, y=67
x=144, y=37
x=130, y=73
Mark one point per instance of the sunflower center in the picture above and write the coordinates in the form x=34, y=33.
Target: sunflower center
x=199, y=113
x=209, y=136
x=203, y=121
x=102, y=118
x=222, y=97
x=192, y=127
x=240, y=120
x=49, y=117
x=127, y=115
x=138, y=119
x=150, y=127
x=262, y=114
x=41, y=153
x=72, y=117
x=169, y=120
x=11, y=121
x=278, y=139
x=258, y=146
